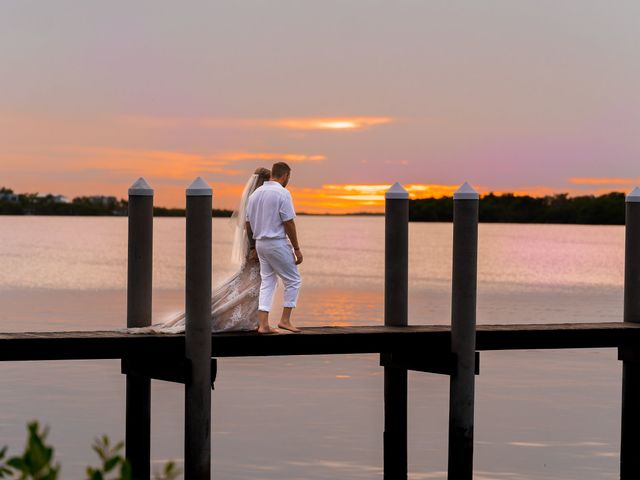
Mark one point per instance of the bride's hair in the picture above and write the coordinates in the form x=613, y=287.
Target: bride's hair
x=264, y=175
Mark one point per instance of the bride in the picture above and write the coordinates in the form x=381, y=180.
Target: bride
x=234, y=304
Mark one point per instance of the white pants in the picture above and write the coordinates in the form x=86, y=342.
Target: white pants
x=277, y=260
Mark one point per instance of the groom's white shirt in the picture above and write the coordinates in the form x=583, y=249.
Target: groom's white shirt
x=268, y=208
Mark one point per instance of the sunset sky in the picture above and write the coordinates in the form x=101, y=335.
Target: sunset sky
x=534, y=96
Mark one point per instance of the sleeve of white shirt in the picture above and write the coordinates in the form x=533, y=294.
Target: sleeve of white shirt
x=286, y=208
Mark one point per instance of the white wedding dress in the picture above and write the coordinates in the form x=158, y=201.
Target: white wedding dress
x=234, y=304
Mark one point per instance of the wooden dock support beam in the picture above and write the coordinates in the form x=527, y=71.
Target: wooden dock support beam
x=396, y=284
x=463, y=332
x=197, y=444
x=630, y=439
x=139, y=278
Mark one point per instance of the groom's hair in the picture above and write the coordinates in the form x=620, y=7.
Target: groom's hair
x=279, y=170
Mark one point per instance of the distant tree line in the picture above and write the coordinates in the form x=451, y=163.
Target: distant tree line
x=12, y=203
x=607, y=209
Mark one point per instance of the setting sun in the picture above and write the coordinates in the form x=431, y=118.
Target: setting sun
x=338, y=124
x=346, y=123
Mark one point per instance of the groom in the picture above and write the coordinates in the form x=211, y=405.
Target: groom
x=269, y=219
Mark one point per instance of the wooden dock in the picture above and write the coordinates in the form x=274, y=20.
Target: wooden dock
x=415, y=339
x=453, y=350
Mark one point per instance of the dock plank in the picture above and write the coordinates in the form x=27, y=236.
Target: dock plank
x=107, y=344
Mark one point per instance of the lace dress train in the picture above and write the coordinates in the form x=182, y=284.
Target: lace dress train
x=234, y=305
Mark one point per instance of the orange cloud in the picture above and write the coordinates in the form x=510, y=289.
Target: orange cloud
x=603, y=181
x=292, y=123
x=170, y=164
x=151, y=163
x=109, y=171
x=286, y=157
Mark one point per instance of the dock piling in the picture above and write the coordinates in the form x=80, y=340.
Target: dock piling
x=463, y=332
x=396, y=284
x=139, y=283
x=630, y=441
x=197, y=446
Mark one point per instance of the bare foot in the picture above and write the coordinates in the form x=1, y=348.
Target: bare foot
x=288, y=326
x=267, y=330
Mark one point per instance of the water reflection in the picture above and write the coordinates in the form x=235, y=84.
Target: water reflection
x=90, y=253
x=551, y=415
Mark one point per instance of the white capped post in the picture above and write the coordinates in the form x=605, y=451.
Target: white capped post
x=632, y=257
x=396, y=288
x=139, y=293
x=139, y=276
x=396, y=255
x=198, y=332
x=463, y=332
x=630, y=440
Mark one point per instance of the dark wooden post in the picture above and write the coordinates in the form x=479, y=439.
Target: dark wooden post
x=630, y=440
x=396, y=314
x=463, y=332
x=197, y=445
x=139, y=278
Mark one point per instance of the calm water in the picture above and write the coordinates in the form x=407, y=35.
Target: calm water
x=540, y=415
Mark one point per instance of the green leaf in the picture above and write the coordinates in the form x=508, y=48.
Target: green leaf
x=111, y=463
x=36, y=460
x=125, y=470
x=17, y=463
x=96, y=475
x=170, y=472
